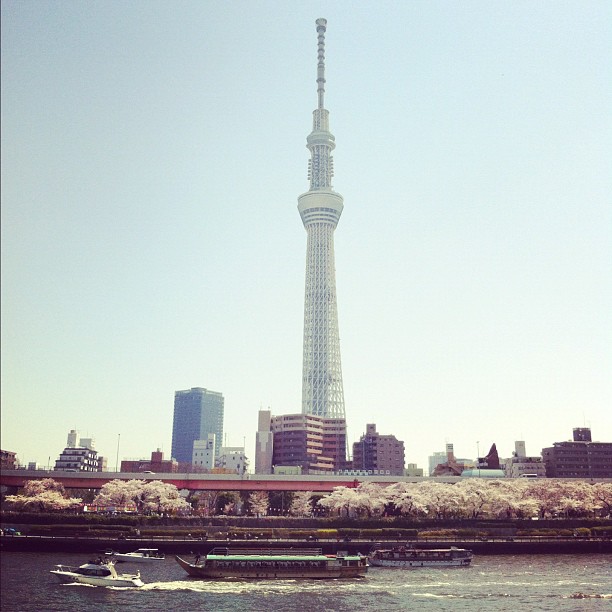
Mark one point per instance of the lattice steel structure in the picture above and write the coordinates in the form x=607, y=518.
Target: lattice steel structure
x=320, y=209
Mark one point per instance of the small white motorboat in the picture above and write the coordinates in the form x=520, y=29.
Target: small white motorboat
x=142, y=555
x=97, y=574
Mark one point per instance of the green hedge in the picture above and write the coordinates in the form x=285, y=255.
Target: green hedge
x=176, y=533
x=601, y=532
x=327, y=533
x=322, y=527
x=545, y=532
x=76, y=531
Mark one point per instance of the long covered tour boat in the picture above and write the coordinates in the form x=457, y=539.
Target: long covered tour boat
x=275, y=563
x=405, y=556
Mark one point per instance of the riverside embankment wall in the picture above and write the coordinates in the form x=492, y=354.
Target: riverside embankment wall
x=501, y=546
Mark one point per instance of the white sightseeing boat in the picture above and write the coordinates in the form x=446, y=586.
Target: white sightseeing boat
x=97, y=574
x=142, y=555
x=405, y=556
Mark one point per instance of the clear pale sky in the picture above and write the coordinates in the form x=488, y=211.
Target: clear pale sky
x=152, y=156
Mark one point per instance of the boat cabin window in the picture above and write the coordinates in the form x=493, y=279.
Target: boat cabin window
x=95, y=571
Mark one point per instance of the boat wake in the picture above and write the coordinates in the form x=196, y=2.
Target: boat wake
x=237, y=587
x=100, y=586
x=438, y=595
x=477, y=596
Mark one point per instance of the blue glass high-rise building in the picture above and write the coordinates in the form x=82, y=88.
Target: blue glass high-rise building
x=197, y=413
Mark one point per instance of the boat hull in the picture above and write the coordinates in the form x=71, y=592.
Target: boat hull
x=268, y=570
x=420, y=563
x=70, y=577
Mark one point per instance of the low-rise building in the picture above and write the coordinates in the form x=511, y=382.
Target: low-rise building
x=8, y=460
x=412, y=471
x=232, y=459
x=452, y=466
x=156, y=464
x=440, y=457
x=522, y=466
x=204, y=452
x=79, y=459
x=435, y=459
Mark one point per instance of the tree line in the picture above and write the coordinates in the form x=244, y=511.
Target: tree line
x=469, y=498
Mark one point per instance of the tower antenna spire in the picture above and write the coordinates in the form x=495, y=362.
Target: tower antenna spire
x=321, y=28
x=320, y=209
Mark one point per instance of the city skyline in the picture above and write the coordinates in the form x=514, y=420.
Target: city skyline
x=150, y=159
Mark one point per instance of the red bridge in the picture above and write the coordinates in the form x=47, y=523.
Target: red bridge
x=205, y=482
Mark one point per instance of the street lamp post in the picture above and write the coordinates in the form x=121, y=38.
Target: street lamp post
x=117, y=458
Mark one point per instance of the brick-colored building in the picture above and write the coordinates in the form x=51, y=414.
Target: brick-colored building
x=378, y=453
x=156, y=464
x=315, y=444
x=8, y=460
x=578, y=458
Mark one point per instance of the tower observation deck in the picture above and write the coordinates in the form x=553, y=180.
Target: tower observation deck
x=320, y=209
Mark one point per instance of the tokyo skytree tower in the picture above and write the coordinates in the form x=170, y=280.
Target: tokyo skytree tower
x=320, y=209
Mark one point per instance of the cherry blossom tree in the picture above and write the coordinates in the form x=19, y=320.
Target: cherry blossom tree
x=371, y=498
x=259, y=501
x=407, y=499
x=602, y=498
x=43, y=495
x=301, y=504
x=152, y=496
x=35, y=487
x=441, y=501
x=468, y=499
x=119, y=493
x=341, y=499
x=576, y=499
x=475, y=498
x=161, y=497
x=504, y=500
x=547, y=495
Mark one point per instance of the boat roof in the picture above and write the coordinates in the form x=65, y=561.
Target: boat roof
x=246, y=554
x=147, y=550
x=410, y=549
x=268, y=557
x=222, y=550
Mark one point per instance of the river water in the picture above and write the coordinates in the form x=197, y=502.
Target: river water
x=491, y=584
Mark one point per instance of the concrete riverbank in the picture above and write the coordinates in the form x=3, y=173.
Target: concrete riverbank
x=491, y=546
